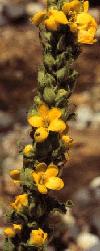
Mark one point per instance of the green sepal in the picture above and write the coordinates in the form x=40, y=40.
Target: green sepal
x=49, y=95
x=62, y=75
x=50, y=80
x=63, y=57
x=26, y=178
x=37, y=100
x=45, y=79
x=61, y=97
x=49, y=62
x=41, y=77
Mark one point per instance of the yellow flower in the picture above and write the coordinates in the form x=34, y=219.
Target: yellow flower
x=46, y=120
x=86, y=28
x=20, y=202
x=9, y=232
x=15, y=175
x=38, y=17
x=27, y=150
x=45, y=178
x=38, y=237
x=71, y=6
x=67, y=140
x=12, y=231
x=55, y=18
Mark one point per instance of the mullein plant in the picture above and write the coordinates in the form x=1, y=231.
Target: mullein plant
x=63, y=27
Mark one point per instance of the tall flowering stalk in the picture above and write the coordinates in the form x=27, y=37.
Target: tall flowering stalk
x=63, y=26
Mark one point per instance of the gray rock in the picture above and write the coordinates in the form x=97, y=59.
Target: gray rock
x=95, y=183
x=87, y=241
x=15, y=13
x=82, y=197
x=3, y=20
x=6, y=120
x=95, y=248
x=95, y=219
x=84, y=116
x=95, y=188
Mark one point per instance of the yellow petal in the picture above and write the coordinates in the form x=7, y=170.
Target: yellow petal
x=43, y=111
x=17, y=182
x=54, y=183
x=15, y=174
x=54, y=113
x=41, y=134
x=85, y=37
x=36, y=121
x=9, y=232
x=85, y=21
x=59, y=17
x=37, y=237
x=51, y=24
x=36, y=240
x=42, y=189
x=67, y=139
x=52, y=170
x=35, y=177
x=71, y=6
x=20, y=202
x=45, y=236
x=28, y=149
x=86, y=6
x=67, y=157
x=57, y=125
x=41, y=167
x=38, y=17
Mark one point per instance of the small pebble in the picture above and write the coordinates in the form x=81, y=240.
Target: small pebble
x=87, y=241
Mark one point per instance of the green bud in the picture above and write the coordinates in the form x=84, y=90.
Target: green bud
x=49, y=95
x=37, y=100
x=47, y=36
x=26, y=178
x=49, y=61
x=41, y=78
x=61, y=96
x=50, y=80
x=61, y=75
x=61, y=60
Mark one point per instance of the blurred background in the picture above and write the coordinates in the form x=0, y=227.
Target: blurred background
x=20, y=56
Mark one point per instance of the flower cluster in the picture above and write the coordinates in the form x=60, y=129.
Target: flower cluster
x=73, y=14
x=62, y=27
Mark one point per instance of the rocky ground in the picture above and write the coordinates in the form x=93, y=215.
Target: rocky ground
x=20, y=55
